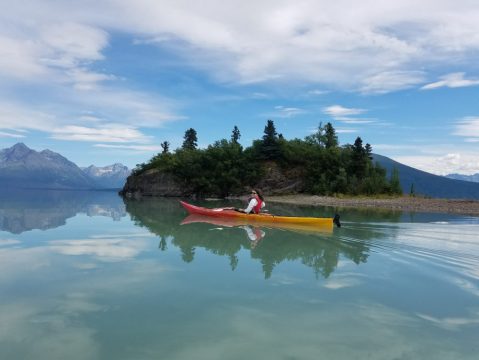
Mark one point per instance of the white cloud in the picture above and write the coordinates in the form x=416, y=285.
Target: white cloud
x=139, y=148
x=106, y=133
x=87, y=80
x=468, y=127
x=343, y=114
x=340, y=111
x=461, y=163
x=71, y=43
x=317, y=92
x=10, y=135
x=17, y=117
x=349, y=120
x=388, y=81
x=286, y=112
x=346, y=131
x=18, y=58
x=453, y=80
x=380, y=48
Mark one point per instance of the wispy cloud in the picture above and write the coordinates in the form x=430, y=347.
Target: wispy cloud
x=317, y=92
x=139, y=148
x=108, y=133
x=287, y=112
x=468, y=127
x=349, y=120
x=84, y=79
x=10, y=135
x=346, y=131
x=345, y=115
x=388, y=81
x=453, y=80
x=341, y=111
x=374, y=51
x=443, y=164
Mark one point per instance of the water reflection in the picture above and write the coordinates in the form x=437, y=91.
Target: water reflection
x=319, y=250
x=109, y=292
x=27, y=210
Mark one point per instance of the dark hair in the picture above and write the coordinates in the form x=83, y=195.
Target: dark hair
x=260, y=195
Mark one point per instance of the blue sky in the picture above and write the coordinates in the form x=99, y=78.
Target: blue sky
x=108, y=81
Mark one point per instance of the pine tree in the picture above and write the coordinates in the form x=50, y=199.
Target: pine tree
x=235, y=135
x=270, y=136
x=165, y=146
x=412, y=192
x=270, y=147
x=330, y=137
x=359, y=159
x=190, y=140
x=369, y=151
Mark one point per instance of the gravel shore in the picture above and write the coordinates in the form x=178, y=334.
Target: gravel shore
x=405, y=203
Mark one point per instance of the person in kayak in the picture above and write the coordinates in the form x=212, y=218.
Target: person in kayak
x=255, y=203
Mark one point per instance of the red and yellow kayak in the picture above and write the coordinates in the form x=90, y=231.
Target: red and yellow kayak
x=238, y=218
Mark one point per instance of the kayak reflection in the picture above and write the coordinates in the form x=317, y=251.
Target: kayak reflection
x=254, y=233
x=238, y=222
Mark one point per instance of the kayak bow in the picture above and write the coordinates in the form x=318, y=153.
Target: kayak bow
x=266, y=219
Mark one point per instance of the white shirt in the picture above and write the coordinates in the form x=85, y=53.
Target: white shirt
x=252, y=203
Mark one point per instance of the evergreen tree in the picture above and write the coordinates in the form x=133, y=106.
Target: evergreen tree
x=330, y=137
x=369, y=151
x=270, y=136
x=359, y=159
x=165, y=146
x=270, y=148
x=190, y=140
x=235, y=135
x=412, y=192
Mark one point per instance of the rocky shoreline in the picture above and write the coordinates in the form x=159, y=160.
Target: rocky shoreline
x=405, y=203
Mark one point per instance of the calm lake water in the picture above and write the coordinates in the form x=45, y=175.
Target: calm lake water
x=85, y=275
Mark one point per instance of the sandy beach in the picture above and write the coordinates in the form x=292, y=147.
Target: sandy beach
x=405, y=203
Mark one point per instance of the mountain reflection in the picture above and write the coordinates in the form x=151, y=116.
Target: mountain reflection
x=321, y=251
x=27, y=210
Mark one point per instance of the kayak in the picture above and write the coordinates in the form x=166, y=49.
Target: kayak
x=239, y=222
x=264, y=219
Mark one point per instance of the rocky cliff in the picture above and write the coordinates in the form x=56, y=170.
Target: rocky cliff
x=151, y=183
x=275, y=181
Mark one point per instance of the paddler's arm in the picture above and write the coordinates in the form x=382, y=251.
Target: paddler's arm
x=251, y=205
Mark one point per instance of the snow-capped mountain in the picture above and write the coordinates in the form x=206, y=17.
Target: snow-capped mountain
x=22, y=167
x=111, y=176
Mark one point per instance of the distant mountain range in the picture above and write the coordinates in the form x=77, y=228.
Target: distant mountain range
x=22, y=167
x=428, y=184
x=473, y=178
x=112, y=176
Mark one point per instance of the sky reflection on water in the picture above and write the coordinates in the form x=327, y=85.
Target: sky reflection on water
x=143, y=286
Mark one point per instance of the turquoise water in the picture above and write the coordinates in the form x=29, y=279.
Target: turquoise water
x=85, y=275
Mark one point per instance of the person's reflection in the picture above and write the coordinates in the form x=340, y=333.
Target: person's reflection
x=255, y=234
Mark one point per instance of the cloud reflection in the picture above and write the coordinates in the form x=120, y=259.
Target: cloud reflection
x=108, y=248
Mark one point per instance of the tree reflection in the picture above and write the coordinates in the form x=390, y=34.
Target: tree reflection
x=320, y=251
